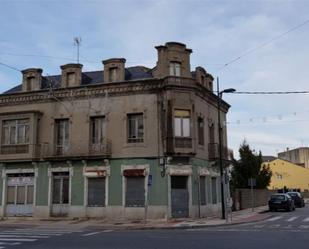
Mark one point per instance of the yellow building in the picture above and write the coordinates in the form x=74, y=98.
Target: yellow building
x=288, y=174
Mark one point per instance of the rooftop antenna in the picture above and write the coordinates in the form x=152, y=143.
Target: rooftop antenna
x=77, y=43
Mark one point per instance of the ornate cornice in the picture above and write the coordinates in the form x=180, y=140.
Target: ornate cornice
x=112, y=89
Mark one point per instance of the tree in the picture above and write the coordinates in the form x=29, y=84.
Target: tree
x=249, y=166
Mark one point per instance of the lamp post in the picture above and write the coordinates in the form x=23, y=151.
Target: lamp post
x=220, y=93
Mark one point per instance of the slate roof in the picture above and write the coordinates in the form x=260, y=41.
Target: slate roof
x=89, y=78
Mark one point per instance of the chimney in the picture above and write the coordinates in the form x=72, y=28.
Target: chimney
x=71, y=75
x=114, y=69
x=173, y=60
x=32, y=79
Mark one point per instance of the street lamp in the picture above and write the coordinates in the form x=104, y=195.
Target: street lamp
x=229, y=90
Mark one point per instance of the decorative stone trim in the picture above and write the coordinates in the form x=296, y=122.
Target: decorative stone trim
x=133, y=167
x=203, y=171
x=185, y=170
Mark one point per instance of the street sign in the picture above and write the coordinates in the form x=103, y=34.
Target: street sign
x=149, y=180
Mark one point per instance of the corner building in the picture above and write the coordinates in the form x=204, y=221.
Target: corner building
x=119, y=143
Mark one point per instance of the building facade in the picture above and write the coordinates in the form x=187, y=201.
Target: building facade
x=288, y=175
x=299, y=156
x=119, y=143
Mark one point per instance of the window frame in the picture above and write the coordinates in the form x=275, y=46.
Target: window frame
x=201, y=131
x=202, y=190
x=126, y=178
x=182, y=119
x=214, y=190
x=14, y=129
x=137, y=136
x=70, y=78
x=97, y=139
x=112, y=74
x=175, y=68
x=65, y=134
x=104, y=204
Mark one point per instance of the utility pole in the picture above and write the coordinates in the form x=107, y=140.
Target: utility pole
x=220, y=151
x=229, y=90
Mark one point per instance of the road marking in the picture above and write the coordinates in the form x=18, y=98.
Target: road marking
x=275, y=218
x=46, y=230
x=10, y=243
x=17, y=239
x=28, y=233
x=292, y=218
x=94, y=233
x=24, y=236
x=306, y=220
x=90, y=234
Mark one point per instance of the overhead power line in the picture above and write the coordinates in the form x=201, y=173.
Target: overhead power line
x=11, y=67
x=280, y=92
x=264, y=44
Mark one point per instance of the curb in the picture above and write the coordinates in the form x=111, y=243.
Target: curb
x=126, y=228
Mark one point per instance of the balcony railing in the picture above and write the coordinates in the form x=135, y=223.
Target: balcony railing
x=213, y=151
x=15, y=149
x=76, y=150
x=183, y=142
x=16, y=152
x=180, y=81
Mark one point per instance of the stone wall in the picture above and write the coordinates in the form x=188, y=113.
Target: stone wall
x=242, y=198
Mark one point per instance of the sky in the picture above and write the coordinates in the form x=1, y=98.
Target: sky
x=39, y=33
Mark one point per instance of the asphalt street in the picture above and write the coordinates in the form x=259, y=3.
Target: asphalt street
x=284, y=230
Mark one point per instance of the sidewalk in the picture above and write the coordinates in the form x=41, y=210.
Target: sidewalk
x=238, y=217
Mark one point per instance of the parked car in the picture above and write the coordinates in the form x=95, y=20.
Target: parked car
x=298, y=199
x=281, y=201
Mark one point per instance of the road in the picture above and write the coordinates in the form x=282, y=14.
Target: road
x=285, y=230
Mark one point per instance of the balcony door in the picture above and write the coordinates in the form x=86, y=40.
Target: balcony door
x=60, y=193
x=62, y=136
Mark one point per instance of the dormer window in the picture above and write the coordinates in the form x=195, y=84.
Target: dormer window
x=113, y=74
x=29, y=83
x=71, y=78
x=175, y=69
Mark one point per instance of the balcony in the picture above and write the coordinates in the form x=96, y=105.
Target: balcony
x=180, y=145
x=50, y=151
x=18, y=152
x=179, y=81
x=183, y=142
x=213, y=152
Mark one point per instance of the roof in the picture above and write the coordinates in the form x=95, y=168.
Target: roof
x=94, y=77
x=268, y=158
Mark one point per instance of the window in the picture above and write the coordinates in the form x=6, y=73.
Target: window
x=202, y=190
x=15, y=132
x=29, y=83
x=60, y=188
x=135, y=191
x=62, y=135
x=20, y=189
x=135, y=128
x=182, y=123
x=113, y=74
x=97, y=130
x=175, y=69
x=200, y=130
x=71, y=78
x=211, y=133
x=96, y=191
x=214, y=189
